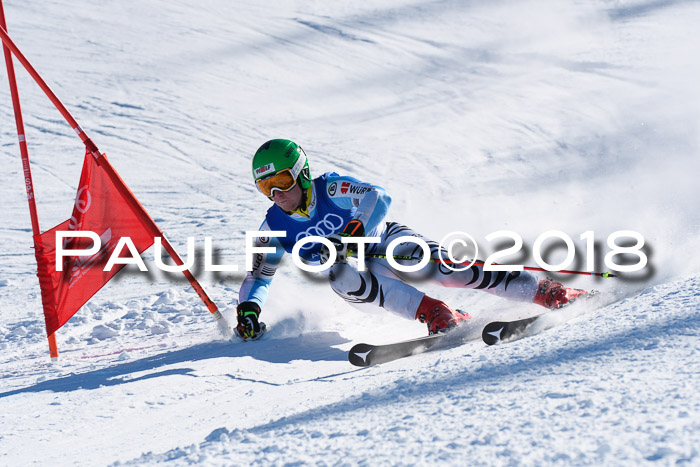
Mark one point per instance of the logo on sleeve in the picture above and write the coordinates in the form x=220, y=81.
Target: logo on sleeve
x=354, y=190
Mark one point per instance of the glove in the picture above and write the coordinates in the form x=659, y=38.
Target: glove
x=249, y=328
x=340, y=248
x=354, y=228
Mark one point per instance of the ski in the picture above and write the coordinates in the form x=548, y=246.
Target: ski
x=368, y=355
x=499, y=331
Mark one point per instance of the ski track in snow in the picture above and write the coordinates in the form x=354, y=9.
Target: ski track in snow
x=476, y=116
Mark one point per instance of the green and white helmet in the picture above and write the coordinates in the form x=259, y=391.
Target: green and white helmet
x=281, y=155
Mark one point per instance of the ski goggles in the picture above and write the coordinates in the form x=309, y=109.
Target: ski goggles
x=282, y=181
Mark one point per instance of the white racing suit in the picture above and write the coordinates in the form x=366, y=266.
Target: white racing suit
x=332, y=202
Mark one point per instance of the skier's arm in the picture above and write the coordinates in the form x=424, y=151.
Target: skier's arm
x=257, y=282
x=370, y=202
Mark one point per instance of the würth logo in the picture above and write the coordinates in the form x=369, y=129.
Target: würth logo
x=359, y=190
x=353, y=188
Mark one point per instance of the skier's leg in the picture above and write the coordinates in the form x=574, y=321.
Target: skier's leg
x=372, y=288
x=519, y=286
x=369, y=290
x=514, y=285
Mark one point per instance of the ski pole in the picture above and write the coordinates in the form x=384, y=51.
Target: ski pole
x=605, y=275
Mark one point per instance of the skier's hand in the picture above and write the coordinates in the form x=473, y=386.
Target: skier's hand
x=248, y=324
x=340, y=248
x=354, y=228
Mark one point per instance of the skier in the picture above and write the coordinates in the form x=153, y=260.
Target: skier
x=335, y=206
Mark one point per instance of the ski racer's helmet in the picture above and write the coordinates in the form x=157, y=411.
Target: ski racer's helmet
x=280, y=164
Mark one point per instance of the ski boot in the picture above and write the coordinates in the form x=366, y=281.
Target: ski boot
x=438, y=316
x=553, y=295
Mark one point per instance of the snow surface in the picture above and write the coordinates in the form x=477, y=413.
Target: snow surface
x=476, y=116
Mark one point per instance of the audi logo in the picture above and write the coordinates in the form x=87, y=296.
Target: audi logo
x=82, y=203
x=331, y=223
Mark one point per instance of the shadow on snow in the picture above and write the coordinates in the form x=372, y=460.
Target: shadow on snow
x=645, y=337
x=311, y=347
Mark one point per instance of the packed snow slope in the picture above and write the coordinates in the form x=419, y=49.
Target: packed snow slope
x=526, y=116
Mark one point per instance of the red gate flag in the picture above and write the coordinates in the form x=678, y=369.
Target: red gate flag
x=104, y=204
x=101, y=208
